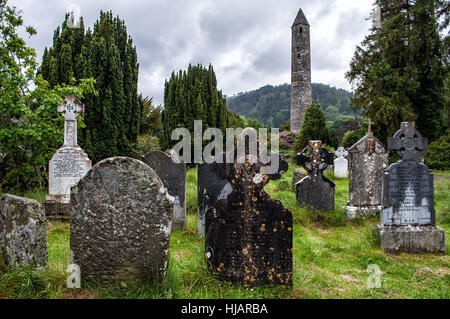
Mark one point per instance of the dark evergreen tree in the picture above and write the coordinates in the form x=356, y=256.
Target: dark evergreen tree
x=313, y=128
x=399, y=71
x=106, y=53
x=193, y=95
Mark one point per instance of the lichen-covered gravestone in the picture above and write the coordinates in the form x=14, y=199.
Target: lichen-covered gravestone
x=173, y=175
x=368, y=159
x=340, y=164
x=23, y=236
x=408, y=216
x=315, y=191
x=68, y=165
x=248, y=234
x=210, y=188
x=297, y=176
x=121, y=222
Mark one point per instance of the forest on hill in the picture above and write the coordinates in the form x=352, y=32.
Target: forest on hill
x=270, y=105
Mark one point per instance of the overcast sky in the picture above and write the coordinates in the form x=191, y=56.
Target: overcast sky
x=247, y=42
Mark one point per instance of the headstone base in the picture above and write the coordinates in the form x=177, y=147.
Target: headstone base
x=363, y=211
x=55, y=209
x=411, y=239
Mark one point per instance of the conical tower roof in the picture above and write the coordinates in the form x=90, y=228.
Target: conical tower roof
x=300, y=19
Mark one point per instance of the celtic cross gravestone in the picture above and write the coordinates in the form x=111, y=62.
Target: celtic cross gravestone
x=69, y=164
x=315, y=191
x=408, y=216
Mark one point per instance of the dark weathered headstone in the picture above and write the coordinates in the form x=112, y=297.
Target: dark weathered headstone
x=23, y=234
x=367, y=159
x=408, y=216
x=315, y=191
x=121, y=222
x=249, y=235
x=210, y=188
x=173, y=175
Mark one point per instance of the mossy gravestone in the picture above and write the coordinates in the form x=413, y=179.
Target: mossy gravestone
x=248, y=234
x=367, y=159
x=408, y=216
x=121, y=223
x=23, y=234
x=315, y=191
x=173, y=175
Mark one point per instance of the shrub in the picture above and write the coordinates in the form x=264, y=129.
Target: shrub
x=351, y=137
x=439, y=154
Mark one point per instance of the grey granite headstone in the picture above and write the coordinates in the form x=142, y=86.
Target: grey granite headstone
x=173, y=175
x=408, y=216
x=315, y=191
x=210, y=188
x=367, y=160
x=248, y=235
x=121, y=223
x=23, y=234
x=340, y=164
x=68, y=165
x=297, y=176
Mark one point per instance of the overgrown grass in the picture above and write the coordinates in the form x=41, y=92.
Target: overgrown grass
x=331, y=256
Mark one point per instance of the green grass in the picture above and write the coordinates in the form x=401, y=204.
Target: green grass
x=331, y=256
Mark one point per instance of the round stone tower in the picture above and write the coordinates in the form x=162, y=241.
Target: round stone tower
x=301, y=92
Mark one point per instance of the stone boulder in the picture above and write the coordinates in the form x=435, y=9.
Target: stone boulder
x=23, y=234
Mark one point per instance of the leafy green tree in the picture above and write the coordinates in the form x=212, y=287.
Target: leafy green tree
x=439, y=153
x=313, y=128
x=270, y=105
x=106, y=53
x=400, y=68
x=331, y=113
x=30, y=127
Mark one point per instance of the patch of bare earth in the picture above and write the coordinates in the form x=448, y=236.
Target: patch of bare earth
x=351, y=279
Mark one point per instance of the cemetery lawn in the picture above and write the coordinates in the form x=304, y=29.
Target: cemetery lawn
x=331, y=256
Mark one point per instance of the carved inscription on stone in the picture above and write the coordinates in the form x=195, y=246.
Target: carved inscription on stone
x=69, y=163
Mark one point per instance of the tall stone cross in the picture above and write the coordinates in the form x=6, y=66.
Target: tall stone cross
x=370, y=126
x=407, y=142
x=70, y=108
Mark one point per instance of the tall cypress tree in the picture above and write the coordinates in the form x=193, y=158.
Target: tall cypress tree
x=400, y=69
x=108, y=54
x=193, y=95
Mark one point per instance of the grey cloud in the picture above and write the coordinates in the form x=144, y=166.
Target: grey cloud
x=171, y=34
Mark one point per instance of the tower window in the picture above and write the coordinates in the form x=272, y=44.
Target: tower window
x=301, y=30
